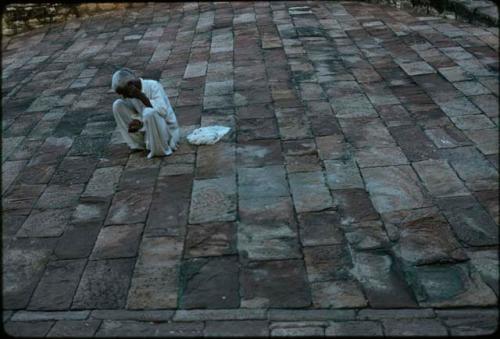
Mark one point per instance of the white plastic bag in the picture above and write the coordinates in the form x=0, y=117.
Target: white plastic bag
x=207, y=135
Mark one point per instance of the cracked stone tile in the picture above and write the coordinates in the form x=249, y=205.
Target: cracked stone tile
x=381, y=282
x=321, y=265
x=343, y=174
x=120, y=241
x=57, y=286
x=309, y=191
x=201, y=279
x=471, y=223
x=338, y=294
x=213, y=239
x=320, y=228
x=471, y=167
x=451, y=285
x=485, y=139
x=439, y=178
x=394, y=188
x=280, y=283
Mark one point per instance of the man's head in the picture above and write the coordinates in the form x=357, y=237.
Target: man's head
x=125, y=82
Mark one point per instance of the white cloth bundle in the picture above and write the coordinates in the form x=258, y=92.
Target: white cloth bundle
x=207, y=135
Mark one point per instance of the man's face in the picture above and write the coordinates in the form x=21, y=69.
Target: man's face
x=130, y=90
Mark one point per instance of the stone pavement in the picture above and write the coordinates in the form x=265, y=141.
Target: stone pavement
x=357, y=193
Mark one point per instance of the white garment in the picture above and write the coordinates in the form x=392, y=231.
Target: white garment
x=160, y=133
x=207, y=135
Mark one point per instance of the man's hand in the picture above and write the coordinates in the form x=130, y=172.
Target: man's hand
x=134, y=126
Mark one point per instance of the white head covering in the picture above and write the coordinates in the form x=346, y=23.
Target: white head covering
x=121, y=78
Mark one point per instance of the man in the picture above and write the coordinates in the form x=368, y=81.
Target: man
x=144, y=116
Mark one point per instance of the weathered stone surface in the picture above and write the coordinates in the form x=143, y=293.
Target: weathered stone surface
x=45, y=223
x=241, y=328
x=332, y=147
x=257, y=128
x=74, y=170
x=129, y=207
x=327, y=262
x=218, y=314
x=276, y=210
x=28, y=329
x=215, y=161
x=401, y=313
x=471, y=167
x=49, y=315
x=58, y=196
x=447, y=137
x=485, y=139
x=169, y=209
x=451, y=286
x=262, y=182
x=439, y=179
x=366, y=132
x=383, y=285
x=417, y=68
x=10, y=170
x=103, y=182
x=489, y=200
x=354, y=328
x=131, y=328
x=471, y=223
x=148, y=315
x=77, y=241
x=469, y=322
x=104, y=284
x=74, y=328
x=268, y=241
x=367, y=235
x=213, y=200
x=424, y=237
x=209, y=283
x=298, y=331
x=279, y=283
x=22, y=268
x=213, y=239
x=373, y=157
x=154, y=282
x=309, y=191
x=338, y=294
x=394, y=188
x=354, y=205
x=91, y=211
x=258, y=153
x=120, y=241
x=414, y=143
x=58, y=285
x=415, y=327
x=308, y=317
x=320, y=228
x=486, y=263
x=22, y=196
x=343, y=174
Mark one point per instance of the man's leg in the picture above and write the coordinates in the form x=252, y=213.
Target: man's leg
x=123, y=113
x=157, y=134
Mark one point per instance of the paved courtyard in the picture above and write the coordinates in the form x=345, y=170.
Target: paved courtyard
x=356, y=194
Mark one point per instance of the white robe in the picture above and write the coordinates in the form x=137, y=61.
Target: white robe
x=160, y=133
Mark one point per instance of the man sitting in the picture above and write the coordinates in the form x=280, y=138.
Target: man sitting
x=144, y=116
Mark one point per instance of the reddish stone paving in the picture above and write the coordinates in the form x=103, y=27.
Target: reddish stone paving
x=356, y=194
